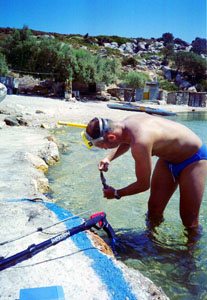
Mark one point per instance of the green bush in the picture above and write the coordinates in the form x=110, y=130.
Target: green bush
x=3, y=65
x=168, y=38
x=114, y=38
x=129, y=61
x=18, y=48
x=168, y=86
x=202, y=86
x=111, y=52
x=192, y=64
x=119, y=40
x=52, y=58
x=135, y=80
x=199, y=45
x=107, y=69
x=148, y=55
x=167, y=52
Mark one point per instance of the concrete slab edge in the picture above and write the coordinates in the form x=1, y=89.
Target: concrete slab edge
x=104, y=267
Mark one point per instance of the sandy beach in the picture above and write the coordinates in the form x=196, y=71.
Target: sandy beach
x=27, y=151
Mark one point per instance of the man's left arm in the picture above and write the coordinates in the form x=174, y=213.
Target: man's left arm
x=143, y=165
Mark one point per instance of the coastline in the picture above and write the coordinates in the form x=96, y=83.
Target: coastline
x=27, y=152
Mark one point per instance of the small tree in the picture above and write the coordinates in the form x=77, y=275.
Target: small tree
x=129, y=61
x=168, y=51
x=192, y=64
x=53, y=59
x=178, y=59
x=167, y=38
x=18, y=48
x=199, y=45
x=202, y=86
x=84, y=66
x=106, y=69
x=135, y=80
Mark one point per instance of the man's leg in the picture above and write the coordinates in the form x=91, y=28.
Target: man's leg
x=192, y=185
x=162, y=188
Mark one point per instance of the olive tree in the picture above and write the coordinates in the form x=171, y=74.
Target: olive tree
x=107, y=70
x=135, y=80
x=18, y=48
x=192, y=64
x=49, y=58
x=168, y=38
x=199, y=45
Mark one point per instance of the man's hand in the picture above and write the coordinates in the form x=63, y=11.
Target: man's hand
x=109, y=192
x=103, y=165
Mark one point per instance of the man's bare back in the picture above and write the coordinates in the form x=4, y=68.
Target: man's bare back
x=169, y=140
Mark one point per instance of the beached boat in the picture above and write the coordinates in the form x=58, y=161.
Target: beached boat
x=149, y=110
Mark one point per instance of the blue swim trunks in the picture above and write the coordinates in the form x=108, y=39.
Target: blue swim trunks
x=177, y=168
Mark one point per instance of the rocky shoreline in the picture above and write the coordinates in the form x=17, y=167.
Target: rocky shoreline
x=27, y=151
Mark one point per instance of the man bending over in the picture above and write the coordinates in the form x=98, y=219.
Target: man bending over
x=182, y=161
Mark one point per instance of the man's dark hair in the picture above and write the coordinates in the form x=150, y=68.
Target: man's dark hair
x=93, y=129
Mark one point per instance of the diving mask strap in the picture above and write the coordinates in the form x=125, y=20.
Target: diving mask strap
x=100, y=121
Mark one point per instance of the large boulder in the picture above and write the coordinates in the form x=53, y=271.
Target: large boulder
x=141, y=46
x=3, y=92
x=158, y=45
x=128, y=47
x=112, y=45
x=168, y=75
x=178, y=78
x=184, y=85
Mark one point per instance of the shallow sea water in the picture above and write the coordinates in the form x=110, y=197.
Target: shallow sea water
x=168, y=256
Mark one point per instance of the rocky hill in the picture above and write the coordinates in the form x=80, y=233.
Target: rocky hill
x=136, y=54
x=121, y=45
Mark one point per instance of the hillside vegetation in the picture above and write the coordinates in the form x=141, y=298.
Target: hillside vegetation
x=106, y=59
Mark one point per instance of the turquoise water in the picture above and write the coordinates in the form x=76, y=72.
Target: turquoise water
x=167, y=256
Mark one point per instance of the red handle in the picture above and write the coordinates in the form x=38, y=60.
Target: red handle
x=98, y=214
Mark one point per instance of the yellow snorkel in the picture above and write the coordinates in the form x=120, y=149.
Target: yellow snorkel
x=72, y=124
x=88, y=143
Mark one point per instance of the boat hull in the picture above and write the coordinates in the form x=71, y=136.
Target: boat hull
x=145, y=109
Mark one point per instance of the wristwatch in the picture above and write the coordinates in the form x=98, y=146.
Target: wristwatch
x=116, y=194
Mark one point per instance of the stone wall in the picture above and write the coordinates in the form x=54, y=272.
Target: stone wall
x=187, y=98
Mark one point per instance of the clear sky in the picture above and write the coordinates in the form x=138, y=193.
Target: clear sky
x=185, y=19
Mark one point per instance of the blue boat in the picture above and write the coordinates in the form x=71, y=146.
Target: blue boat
x=149, y=110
